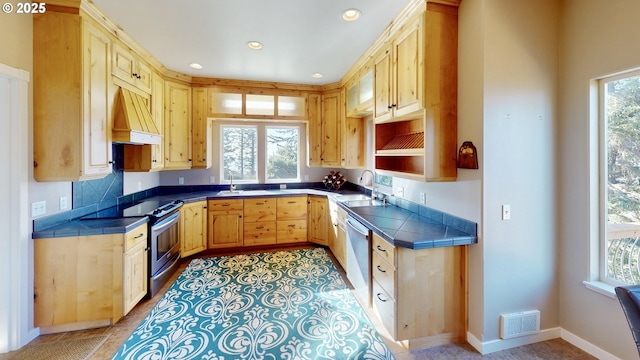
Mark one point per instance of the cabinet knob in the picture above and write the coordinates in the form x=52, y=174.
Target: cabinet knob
x=111, y=162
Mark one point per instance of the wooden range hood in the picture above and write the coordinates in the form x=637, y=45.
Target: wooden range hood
x=132, y=122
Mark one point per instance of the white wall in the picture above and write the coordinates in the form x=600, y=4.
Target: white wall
x=597, y=38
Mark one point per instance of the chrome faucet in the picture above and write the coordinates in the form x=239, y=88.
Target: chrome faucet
x=232, y=187
x=374, y=193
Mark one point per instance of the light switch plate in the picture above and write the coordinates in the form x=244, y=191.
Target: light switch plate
x=180, y=181
x=63, y=203
x=506, y=212
x=423, y=198
x=38, y=208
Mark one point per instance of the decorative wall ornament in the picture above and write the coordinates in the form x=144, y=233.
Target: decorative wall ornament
x=467, y=156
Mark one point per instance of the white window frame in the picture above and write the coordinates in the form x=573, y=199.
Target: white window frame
x=266, y=155
x=599, y=282
x=262, y=148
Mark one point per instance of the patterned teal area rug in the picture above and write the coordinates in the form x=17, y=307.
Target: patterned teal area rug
x=280, y=305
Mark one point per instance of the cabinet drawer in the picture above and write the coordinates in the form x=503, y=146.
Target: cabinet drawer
x=135, y=236
x=292, y=231
x=384, y=274
x=259, y=210
x=292, y=208
x=224, y=205
x=260, y=233
x=385, y=307
x=384, y=249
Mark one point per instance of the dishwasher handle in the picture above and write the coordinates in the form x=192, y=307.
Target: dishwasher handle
x=356, y=226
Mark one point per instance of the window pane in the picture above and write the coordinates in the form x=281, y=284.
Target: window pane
x=291, y=106
x=283, y=146
x=240, y=153
x=260, y=104
x=622, y=129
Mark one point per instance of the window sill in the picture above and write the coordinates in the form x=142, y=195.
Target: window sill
x=601, y=288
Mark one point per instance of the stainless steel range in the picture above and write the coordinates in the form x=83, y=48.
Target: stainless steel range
x=164, y=233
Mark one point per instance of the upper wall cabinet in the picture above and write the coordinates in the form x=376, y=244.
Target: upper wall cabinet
x=127, y=67
x=72, y=93
x=359, y=93
x=177, y=126
x=416, y=134
x=202, y=132
x=399, y=73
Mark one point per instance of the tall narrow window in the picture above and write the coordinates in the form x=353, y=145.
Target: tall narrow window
x=620, y=174
x=240, y=153
x=283, y=149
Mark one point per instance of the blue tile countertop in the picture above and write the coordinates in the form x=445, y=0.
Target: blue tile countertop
x=425, y=229
x=89, y=227
x=402, y=223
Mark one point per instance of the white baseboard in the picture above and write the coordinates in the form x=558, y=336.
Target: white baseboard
x=586, y=346
x=548, y=334
x=498, y=345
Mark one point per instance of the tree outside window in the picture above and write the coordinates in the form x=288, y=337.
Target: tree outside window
x=240, y=152
x=283, y=149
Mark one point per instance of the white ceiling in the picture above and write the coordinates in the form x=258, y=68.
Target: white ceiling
x=300, y=37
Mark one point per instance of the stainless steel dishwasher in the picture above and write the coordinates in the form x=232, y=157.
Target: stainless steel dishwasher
x=359, y=259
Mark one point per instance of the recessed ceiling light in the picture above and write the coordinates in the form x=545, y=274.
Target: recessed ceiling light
x=255, y=45
x=195, y=66
x=317, y=75
x=351, y=15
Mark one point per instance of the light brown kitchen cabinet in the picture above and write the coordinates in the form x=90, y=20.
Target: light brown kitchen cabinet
x=135, y=269
x=353, y=153
x=338, y=239
x=416, y=119
x=260, y=221
x=202, y=130
x=72, y=98
x=325, y=124
x=359, y=93
x=318, y=220
x=224, y=223
x=177, y=126
x=399, y=74
x=419, y=294
x=129, y=68
x=291, y=218
x=193, y=228
x=68, y=297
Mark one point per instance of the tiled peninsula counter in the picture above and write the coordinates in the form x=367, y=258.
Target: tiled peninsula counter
x=417, y=256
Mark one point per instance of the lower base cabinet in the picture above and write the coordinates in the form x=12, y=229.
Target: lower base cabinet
x=224, y=223
x=193, y=228
x=419, y=295
x=82, y=282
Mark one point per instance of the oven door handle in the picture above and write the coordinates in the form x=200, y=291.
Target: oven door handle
x=166, y=222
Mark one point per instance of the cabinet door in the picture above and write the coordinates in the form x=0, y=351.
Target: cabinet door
x=97, y=113
x=224, y=229
x=318, y=221
x=259, y=209
x=193, y=228
x=353, y=143
x=177, y=126
x=314, y=130
x=382, y=86
x=292, y=208
x=135, y=278
x=408, y=70
x=201, y=130
x=157, y=112
x=124, y=63
x=331, y=124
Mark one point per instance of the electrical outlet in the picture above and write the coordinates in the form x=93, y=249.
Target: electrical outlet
x=400, y=192
x=139, y=185
x=63, y=203
x=38, y=208
x=180, y=181
x=212, y=179
x=423, y=198
x=283, y=186
x=506, y=212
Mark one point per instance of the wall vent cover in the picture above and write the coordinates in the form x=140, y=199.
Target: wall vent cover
x=519, y=324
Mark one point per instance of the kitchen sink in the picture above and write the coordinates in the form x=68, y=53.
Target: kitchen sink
x=228, y=192
x=361, y=203
x=353, y=197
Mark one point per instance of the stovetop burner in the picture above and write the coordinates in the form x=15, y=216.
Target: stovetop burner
x=153, y=208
